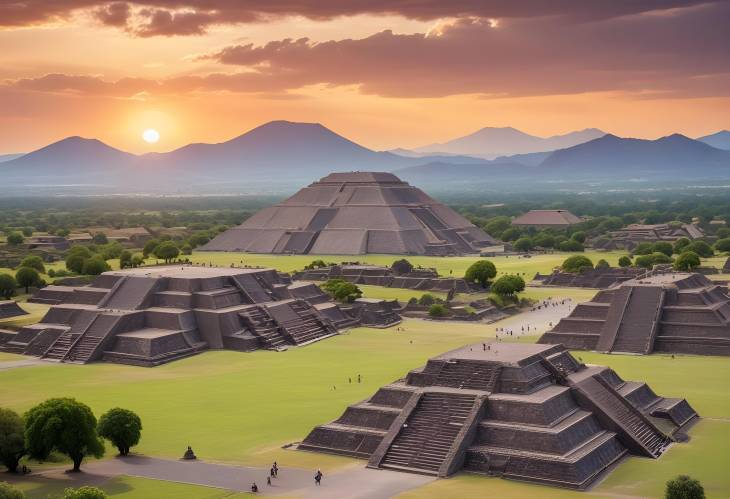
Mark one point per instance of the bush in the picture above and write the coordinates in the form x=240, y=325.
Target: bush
x=426, y=300
x=723, y=244
x=125, y=259
x=544, y=240
x=571, y=245
x=186, y=249
x=624, y=261
x=684, y=487
x=7, y=491
x=402, y=266
x=316, y=264
x=12, y=440
x=149, y=247
x=34, y=262
x=508, y=285
x=480, y=272
x=701, y=248
x=602, y=264
x=523, y=244
x=8, y=285
x=122, y=428
x=100, y=238
x=137, y=259
x=27, y=277
x=644, y=249
x=15, y=238
x=577, y=264
x=342, y=290
x=85, y=492
x=648, y=261
x=579, y=237
x=437, y=310
x=511, y=234
x=167, y=251
x=663, y=247
x=95, y=266
x=687, y=261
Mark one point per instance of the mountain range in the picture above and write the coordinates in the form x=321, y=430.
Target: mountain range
x=493, y=142
x=720, y=140
x=281, y=156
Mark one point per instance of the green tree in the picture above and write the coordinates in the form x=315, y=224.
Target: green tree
x=7, y=491
x=95, y=266
x=602, y=264
x=701, y=248
x=137, y=259
x=624, y=261
x=644, y=249
x=63, y=425
x=100, y=238
x=112, y=250
x=426, y=300
x=122, y=428
x=511, y=234
x=186, y=249
x=402, y=266
x=523, y=244
x=508, y=285
x=149, y=247
x=8, y=285
x=571, y=245
x=680, y=244
x=723, y=244
x=577, y=264
x=167, y=251
x=125, y=259
x=480, y=272
x=544, y=240
x=687, y=261
x=63, y=232
x=663, y=247
x=342, y=290
x=15, y=238
x=579, y=236
x=76, y=257
x=684, y=487
x=34, y=262
x=648, y=261
x=497, y=225
x=12, y=440
x=437, y=310
x=27, y=231
x=27, y=277
x=85, y=492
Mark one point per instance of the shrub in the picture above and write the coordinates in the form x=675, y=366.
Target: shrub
x=85, y=492
x=12, y=440
x=316, y=264
x=7, y=491
x=27, y=277
x=437, y=310
x=577, y=264
x=402, y=266
x=15, y=238
x=8, y=285
x=602, y=264
x=100, y=238
x=723, y=244
x=648, y=261
x=426, y=300
x=342, y=290
x=571, y=245
x=125, y=259
x=508, y=285
x=480, y=272
x=684, y=487
x=624, y=261
x=34, y=262
x=95, y=266
x=644, y=249
x=701, y=248
x=524, y=244
x=579, y=236
x=687, y=261
x=663, y=247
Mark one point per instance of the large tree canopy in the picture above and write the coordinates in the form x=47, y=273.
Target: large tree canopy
x=12, y=439
x=122, y=428
x=480, y=272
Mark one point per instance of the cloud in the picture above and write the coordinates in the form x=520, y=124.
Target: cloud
x=678, y=53
x=193, y=17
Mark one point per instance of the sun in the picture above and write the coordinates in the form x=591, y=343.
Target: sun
x=151, y=136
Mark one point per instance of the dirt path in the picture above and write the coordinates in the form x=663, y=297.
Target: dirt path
x=352, y=482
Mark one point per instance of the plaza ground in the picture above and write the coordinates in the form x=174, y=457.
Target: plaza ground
x=241, y=408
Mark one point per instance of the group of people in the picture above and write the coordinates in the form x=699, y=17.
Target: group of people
x=274, y=473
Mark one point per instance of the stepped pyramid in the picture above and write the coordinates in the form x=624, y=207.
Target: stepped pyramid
x=662, y=312
x=523, y=411
x=152, y=315
x=356, y=213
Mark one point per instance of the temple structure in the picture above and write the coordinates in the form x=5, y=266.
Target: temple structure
x=355, y=213
x=420, y=279
x=9, y=308
x=521, y=411
x=547, y=219
x=661, y=312
x=598, y=278
x=152, y=315
x=632, y=235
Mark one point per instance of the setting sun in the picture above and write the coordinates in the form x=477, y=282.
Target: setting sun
x=151, y=136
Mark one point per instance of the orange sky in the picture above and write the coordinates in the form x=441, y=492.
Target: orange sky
x=387, y=78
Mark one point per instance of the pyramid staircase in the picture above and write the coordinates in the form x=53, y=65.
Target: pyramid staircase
x=308, y=327
x=264, y=327
x=426, y=439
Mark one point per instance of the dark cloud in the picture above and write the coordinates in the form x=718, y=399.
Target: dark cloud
x=192, y=17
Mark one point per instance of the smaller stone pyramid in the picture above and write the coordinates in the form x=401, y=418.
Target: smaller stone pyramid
x=662, y=312
x=356, y=213
x=522, y=411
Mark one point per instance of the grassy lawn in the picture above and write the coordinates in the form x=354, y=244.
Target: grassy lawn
x=446, y=266
x=36, y=311
x=400, y=294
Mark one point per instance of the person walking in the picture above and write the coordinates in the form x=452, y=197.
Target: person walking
x=318, y=477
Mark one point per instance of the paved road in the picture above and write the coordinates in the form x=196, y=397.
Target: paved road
x=351, y=482
x=14, y=364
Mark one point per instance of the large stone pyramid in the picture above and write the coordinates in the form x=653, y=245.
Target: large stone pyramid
x=664, y=312
x=521, y=411
x=356, y=213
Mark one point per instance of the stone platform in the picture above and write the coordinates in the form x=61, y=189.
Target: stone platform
x=152, y=315
x=520, y=411
x=662, y=312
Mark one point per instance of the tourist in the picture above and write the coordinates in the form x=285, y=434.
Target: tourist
x=358, y=378
x=276, y=469
x=272, y=473
x=318, y=478
x=254, y=488
x=268, y=480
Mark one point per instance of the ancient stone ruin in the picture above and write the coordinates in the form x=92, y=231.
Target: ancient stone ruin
x=9, y=308
x=419, y=279
x=152, y=315
x=521, y=411
x=356, y=213
x=632, y=235
x=670, y=312
x=598, y=278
